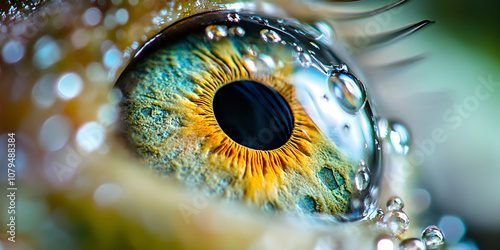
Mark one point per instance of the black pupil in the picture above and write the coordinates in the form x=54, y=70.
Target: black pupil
x=253, y=115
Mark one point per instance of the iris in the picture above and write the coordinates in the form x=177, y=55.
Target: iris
x=234, y=103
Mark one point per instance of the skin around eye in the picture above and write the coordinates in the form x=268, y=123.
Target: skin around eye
x=169, y=121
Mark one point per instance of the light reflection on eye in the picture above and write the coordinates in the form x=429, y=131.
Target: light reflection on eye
x=254, y=109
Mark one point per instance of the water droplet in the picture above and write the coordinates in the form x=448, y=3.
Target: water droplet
x=341, y=68
x=362, y=163
x=216, y=31
x=233, y=17
x=397, y=222
x=411, y=244
x=376, y=214
x=399, y=137
x=394, y=204
x=349, y=91
x=304, y=59
x=260, y=20
x=362, y=179
x=270, y=36
x=237, y=31
x=432, y=237
x=346, y=128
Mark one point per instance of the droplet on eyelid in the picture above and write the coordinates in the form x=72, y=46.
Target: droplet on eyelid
x=412, y=244
x=394, y=204
x=270, y=36
x=432, y=237
x=348, y=90
x=216, y=31
x=397, y=222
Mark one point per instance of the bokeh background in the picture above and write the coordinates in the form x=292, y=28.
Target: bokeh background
x=461, y=173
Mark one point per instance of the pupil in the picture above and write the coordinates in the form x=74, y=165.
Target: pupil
x=253, y=115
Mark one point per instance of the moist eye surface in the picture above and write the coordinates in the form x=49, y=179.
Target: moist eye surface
x=240, y=105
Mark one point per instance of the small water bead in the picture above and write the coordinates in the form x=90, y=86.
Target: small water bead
x=411, y=244
x=394, y=204
x=270, y=36
x=397, y=222
x=432, y=237
x=237, y=31
x=233, y=17
x=216, y=31
x=304, y=59
x=349, y=91
x=377, y=214
x=362, y=179
x=260, y=20
x=341, y=68
x=398, y=137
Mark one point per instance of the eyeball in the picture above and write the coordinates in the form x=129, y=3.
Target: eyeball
x=254, y=109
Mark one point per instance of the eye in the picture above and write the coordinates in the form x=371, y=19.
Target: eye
x=253, y=109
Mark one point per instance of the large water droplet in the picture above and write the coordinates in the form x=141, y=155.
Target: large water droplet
x=216, y=31
x=349, y=91
x=397, y=222
x=270, y=36
x=362, y=179
x=399, y=137
x=411, y=244
x=376, y=214
x=432, y=237
x=394, y=204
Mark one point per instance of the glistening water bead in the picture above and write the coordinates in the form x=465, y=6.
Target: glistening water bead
x=399, y=137
x=394, y=204
x=348, y=90
x=397, y=222
x=432, y=237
